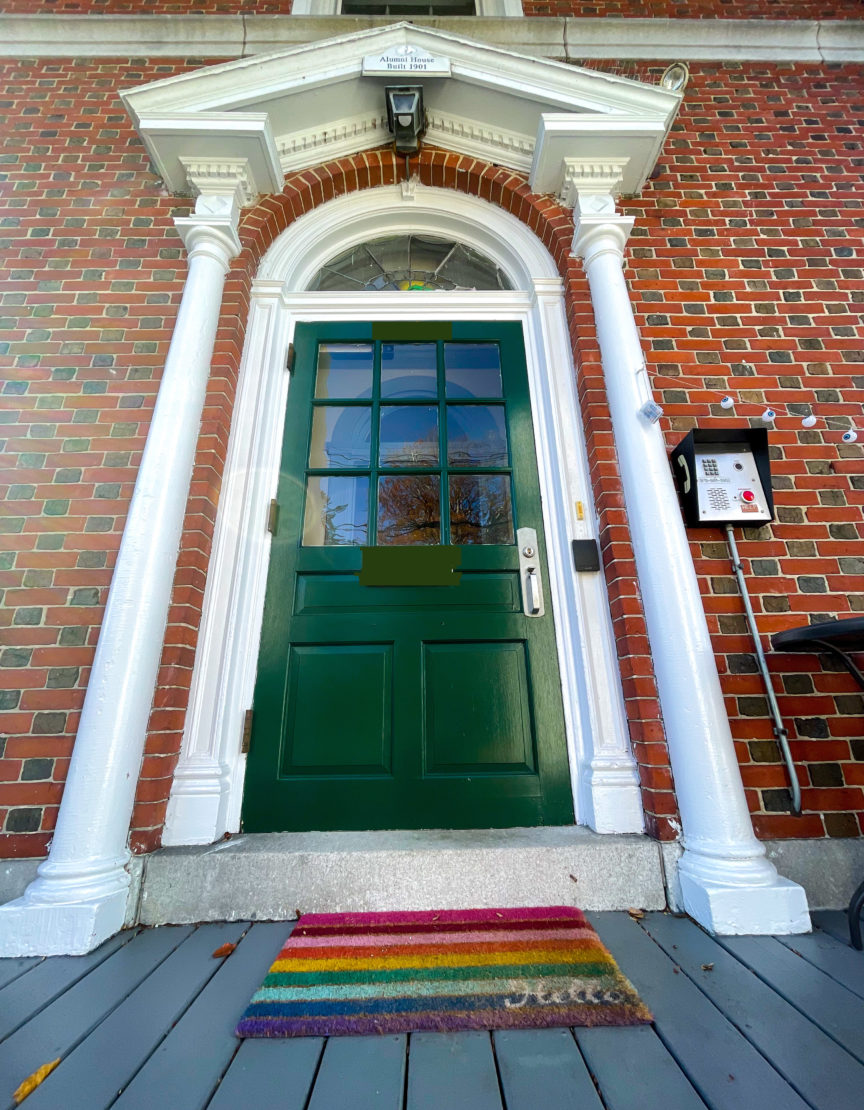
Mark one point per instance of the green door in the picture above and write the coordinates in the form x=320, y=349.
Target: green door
x=400, y=682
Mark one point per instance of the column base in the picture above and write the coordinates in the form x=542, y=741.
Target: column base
x=778, y=907
x=67, y=910
x=29, y=928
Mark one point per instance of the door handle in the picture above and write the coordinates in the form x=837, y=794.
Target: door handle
x=529, y=573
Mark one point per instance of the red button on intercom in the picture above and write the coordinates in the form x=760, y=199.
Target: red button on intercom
x=748, y=495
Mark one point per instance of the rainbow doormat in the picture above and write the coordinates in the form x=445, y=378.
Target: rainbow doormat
x=443, y=970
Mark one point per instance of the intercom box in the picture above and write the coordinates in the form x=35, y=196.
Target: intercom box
x=724, y=476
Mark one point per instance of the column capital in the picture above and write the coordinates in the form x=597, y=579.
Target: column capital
x=213, y=236
x=222, y=187
x=601, y=178
x=600, y=233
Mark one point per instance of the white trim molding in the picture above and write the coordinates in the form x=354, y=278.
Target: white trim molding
x=524, y=113
x=205, y=799
x=573, y=39
x=727, y=883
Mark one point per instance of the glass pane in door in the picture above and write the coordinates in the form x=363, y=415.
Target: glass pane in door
x=480, y=509
x=409, y=510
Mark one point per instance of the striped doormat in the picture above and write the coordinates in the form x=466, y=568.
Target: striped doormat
x=441, y=970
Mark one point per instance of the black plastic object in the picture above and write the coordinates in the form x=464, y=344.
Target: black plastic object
x=586, y=555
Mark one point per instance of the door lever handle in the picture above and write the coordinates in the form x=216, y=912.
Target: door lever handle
x=532, y=593
x=529, y=572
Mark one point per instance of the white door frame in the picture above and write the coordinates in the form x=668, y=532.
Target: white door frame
x=208, y=782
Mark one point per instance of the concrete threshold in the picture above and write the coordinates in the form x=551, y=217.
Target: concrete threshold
x=278, y=875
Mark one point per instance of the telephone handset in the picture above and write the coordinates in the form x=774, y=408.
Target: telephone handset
x=682, y=462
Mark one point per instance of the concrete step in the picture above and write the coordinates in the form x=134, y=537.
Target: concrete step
x=277, y=875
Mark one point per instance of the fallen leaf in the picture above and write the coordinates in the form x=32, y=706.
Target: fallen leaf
x=224, y=950
x=637, y=914
x=707, y=967
x=32, y=1081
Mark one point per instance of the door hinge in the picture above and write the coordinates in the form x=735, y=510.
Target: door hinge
x=289, y=362
x=247, y=731
x=273, y=517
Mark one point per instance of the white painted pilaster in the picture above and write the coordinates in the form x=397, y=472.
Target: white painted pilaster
x=78, y=898
x=727, y=883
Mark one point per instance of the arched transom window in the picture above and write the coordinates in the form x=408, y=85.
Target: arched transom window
x=409, y=262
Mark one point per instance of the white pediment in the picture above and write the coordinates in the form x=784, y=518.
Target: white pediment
x=300, y=106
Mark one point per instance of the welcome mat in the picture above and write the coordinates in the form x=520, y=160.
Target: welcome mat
x=441, y=970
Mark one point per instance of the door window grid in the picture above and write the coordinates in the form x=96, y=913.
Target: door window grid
x=480, y=495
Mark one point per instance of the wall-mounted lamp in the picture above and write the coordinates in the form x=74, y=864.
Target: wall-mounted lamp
x=675, y=77
x=405, y=116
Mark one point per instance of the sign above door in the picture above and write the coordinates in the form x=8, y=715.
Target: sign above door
x=407, y=60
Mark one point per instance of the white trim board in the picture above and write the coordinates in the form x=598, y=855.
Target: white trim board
x=56, y=35
x=207, y=790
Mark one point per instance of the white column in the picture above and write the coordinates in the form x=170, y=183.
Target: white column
x=727, y=883
x=78, y=898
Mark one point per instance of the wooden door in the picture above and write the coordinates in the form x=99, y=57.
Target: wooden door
x=400, y=682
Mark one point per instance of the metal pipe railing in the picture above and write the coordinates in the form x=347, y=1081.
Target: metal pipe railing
x=779, y=729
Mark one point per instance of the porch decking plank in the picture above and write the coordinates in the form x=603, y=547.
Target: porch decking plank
x=184, y=1070
x=456, y=1070
x=823, y=1073
x=270, y=1073
x=101, y=1065
x=361, y=1073
x=11, y=969
x=634, y=1069
x=547, y=1060
x=56, y=1030
x=723, y=1066
x=836, y=1010
x=838, y=960
x=30, y=993
x=833, y=922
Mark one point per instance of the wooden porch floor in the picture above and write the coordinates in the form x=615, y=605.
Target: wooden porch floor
x=751, y=1023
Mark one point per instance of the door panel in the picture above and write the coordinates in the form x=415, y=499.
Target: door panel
x=428, y=698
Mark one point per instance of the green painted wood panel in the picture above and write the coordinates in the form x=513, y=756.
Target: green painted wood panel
x=409, y=703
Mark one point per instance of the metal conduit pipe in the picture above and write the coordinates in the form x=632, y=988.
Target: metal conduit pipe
x=779, y=729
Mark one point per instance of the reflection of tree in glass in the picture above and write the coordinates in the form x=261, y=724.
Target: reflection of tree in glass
x=480, y=509
x=409, y=511
x=339, y=533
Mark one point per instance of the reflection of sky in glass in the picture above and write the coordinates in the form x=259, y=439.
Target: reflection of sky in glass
x=337, y=510
x=341, y=436
x=472, y=369
x=480, y=510
x=344, y=370
x=409, y=435
x=476, y=435
x=409, y=510
x=408, y=370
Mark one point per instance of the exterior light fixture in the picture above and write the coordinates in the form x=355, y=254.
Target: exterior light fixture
x=675, y=77
x=405, y=116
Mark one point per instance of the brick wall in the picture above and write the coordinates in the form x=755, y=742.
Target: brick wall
x=744, y=273
x=661, y=9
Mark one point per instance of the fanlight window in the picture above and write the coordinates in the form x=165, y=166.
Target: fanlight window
x=409, y=262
